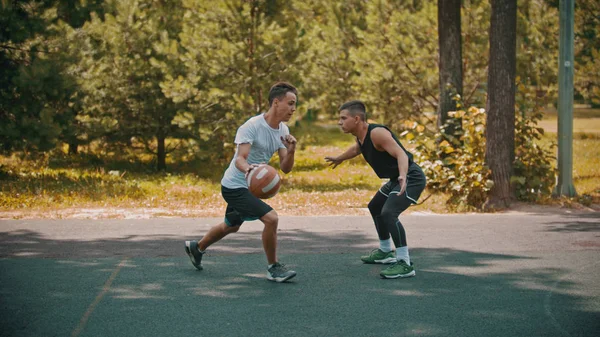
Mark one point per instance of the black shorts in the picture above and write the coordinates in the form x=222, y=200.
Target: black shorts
x=415, y=184
x=242, y=206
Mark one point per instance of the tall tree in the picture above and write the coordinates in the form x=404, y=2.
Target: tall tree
x=398, y=60
x=500, y=132
x=123, y=71
x=331, y=72
x=234, y=51
x=38, y=95
x=450, y=68
x=26, y=78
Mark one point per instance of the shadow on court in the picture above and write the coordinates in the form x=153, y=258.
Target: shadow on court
x=144, y=285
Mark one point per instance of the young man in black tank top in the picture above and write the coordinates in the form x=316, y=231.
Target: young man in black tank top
x=389, y=159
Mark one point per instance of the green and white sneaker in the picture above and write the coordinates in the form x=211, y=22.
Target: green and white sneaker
x=379, y=256
x=398, y=270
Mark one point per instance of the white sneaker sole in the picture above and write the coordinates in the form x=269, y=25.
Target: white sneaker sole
x=280, y=279
x=386, y=261
x=411, y=274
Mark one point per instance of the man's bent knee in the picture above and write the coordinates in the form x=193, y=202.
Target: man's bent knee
x=388, y=218
x=270, y=219
x=373, y=207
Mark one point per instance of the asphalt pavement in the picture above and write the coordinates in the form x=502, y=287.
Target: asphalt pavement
x=476, y=275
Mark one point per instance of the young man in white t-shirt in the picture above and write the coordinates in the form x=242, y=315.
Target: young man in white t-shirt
x=257, y=140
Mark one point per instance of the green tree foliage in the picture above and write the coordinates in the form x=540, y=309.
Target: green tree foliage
x=475, y=25
x=121, y=71
x=538, y=53
x=398, y=60
x=537, y=48
x=537, y=30
x=587, y=52
x=158, y=76
x=330, y=73
x=34, y=91
x=232, y=52
x=76, y=13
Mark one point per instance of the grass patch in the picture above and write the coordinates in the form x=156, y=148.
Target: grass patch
x=585, y=120
x=26, y=187
x=579, y=112
x=58, y=185
x=590, y=126
x=586, y=160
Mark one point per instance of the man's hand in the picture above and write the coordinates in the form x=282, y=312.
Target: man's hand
x=289, y=142
x=249, y=169
x=350, y=153
x=402, y=183
x=333, y=161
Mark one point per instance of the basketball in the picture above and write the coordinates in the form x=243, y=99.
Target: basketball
x=264, y=181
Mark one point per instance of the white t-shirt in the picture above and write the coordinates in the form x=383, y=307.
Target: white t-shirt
x=264, y=140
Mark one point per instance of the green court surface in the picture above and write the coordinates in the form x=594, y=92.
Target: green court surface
x=51, y=285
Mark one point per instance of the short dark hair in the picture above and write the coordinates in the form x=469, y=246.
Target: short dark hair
x=279, y=90
x=355, y=108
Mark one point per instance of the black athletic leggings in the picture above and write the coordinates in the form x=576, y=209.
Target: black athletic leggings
x=387, y=204
x=385, y=211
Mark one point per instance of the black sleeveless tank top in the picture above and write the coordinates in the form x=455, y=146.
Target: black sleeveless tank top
x=384, y=165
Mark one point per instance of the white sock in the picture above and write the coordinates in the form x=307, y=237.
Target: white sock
x=402, y=254
x=386, y=245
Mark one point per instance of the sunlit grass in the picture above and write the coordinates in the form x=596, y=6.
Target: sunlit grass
x=586, y=148
x=586, y=162
x=26, y=187
x=579, y=112
x=587, y=125
x=59, y=186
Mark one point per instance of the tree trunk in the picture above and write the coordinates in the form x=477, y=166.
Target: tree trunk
x=500, y=130
x=73, y=147
x=450, y=68
x=161, y=154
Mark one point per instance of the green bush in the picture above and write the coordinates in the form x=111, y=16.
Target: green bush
x=454, y=164
x=534, y=175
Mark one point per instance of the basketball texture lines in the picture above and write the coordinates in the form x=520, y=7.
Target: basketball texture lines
x=264, y=181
